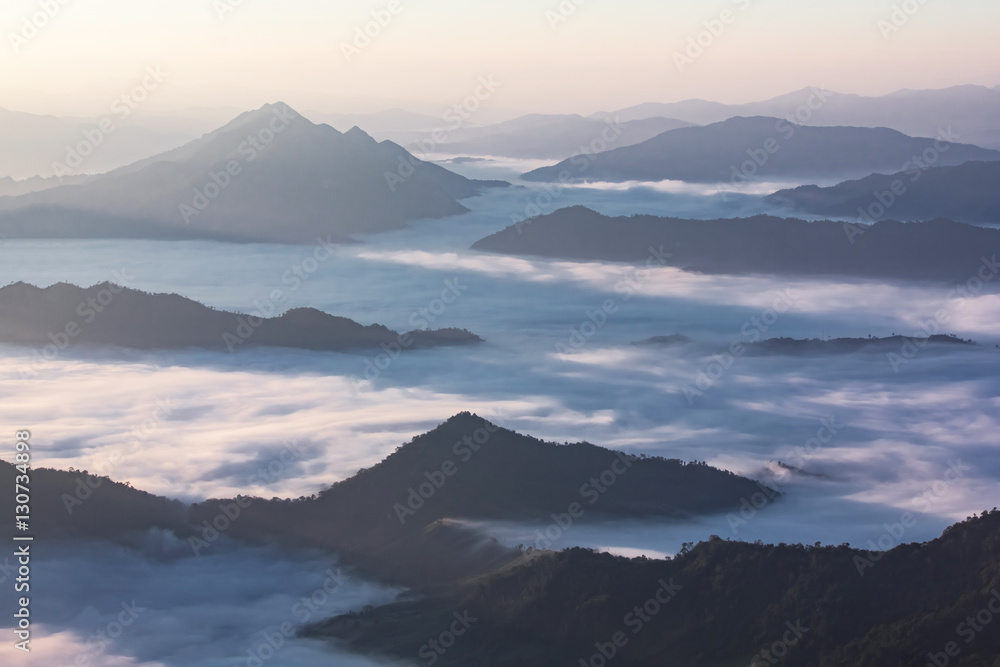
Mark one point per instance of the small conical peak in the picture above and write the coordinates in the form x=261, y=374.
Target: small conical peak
x=357, y=134
x=266, y=116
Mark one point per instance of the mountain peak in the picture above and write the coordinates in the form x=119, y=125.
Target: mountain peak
x=271, y=107
x=358, y=134
x=263, y=116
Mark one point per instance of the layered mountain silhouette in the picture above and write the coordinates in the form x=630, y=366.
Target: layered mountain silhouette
x=10, y=187
x=734, y=150
x=966, y=192
x=270, y=175
x=939, y=250
x=31, y=144
x=108, y=314
x=396, y=519
x=720, y=603
x=544, y=136
x=970, y=111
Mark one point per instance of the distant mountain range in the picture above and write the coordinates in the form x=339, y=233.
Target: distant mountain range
x=268, y=176
x=108, y=314
x=542, y=136
x=742, y=148
x=938, y=250
x=972, y=112
x=30, y=144
x=966, y=192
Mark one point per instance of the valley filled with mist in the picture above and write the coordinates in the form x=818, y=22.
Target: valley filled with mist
x=297, y=375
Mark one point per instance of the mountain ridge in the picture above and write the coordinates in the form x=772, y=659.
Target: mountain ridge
x=743, y=148
x=269, y=175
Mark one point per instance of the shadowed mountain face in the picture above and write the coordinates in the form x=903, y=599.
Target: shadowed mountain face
x=269, y=175
x=543, y=136
x=393, y=518
x=939, y=250
x=760, y=147
x=109, y=314
x=722, y=604
x=967, y=192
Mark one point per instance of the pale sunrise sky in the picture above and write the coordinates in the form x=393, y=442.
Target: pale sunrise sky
x=605, y=55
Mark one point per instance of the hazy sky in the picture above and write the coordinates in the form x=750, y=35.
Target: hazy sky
x=431, y=53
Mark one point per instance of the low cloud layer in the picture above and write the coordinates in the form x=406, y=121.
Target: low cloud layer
x=160, y=606
x=195, y=424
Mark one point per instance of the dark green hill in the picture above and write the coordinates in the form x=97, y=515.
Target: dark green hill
x=397, y=518
x=726, y=604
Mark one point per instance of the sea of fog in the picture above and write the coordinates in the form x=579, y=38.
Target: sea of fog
x=872, y=436
x=158, y=605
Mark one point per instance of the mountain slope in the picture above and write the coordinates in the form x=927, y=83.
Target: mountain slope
x=773, y=148
x=509, y=476
x=108, y=314
x=722, y=604
x=967, y=192
x=937, y=250
x=269, y=175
